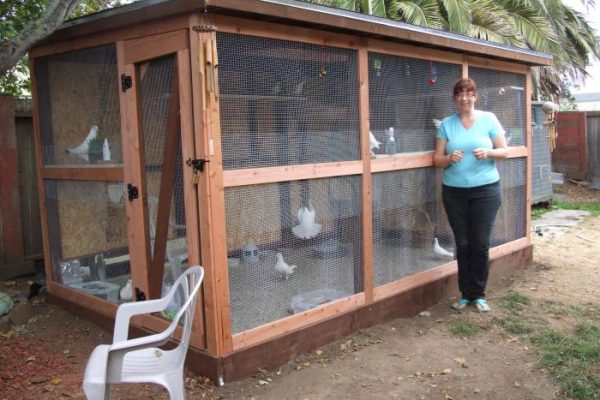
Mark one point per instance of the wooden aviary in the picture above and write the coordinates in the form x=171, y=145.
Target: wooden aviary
x=246, y=126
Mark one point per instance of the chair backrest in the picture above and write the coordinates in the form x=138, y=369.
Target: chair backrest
x=188, y=287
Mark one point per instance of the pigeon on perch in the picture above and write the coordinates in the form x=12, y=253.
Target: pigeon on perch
x=440, y=251
x=126, y=291
x=306, y=228
x=373, y=142
x=83, y=149
x=283, y=269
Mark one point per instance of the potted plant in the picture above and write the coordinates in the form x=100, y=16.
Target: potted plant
x=95, y=149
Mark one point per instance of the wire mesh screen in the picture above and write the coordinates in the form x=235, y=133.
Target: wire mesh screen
x=285, y=102
x=541, y=160
x=88, y=236
x=313, y=225
x=408, y=95
x=162, y=158
x=79, y=101
x=503, y=93
x=511, y=219
x=407, y=215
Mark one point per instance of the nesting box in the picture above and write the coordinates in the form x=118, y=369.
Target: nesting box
x=237, y=122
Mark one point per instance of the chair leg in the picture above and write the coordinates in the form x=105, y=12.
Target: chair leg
x=176, y=390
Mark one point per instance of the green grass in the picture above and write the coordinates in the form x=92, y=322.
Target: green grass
x=465, y=329
x=538, y=210
x=514, y=302
x=594, y=208
x=574, y=360
x=516, y=326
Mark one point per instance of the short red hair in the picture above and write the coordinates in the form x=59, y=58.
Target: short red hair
x=464, y=85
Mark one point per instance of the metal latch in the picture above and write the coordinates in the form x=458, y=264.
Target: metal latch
x=196, y=164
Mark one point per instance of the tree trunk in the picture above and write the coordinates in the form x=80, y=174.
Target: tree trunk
x=14, y=49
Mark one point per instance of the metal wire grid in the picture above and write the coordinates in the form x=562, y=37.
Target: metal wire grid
x=285, y=103
x=87, y=224
x=78, y=90
x=511, y=220
x=156, y=78
x=409, y=94
x=503, y=93
x=541, y=162
x=264, y=220
x=407, y=214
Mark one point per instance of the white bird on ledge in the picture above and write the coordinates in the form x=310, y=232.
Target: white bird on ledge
x=307, y=228
x=373, y=142
x=440, y=251
x=126, y=292
x=83, y=149
x=283, y=269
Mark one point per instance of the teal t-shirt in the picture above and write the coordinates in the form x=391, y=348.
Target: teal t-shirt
x=470, y=172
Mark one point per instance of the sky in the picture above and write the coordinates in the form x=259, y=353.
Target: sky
x=592, y=83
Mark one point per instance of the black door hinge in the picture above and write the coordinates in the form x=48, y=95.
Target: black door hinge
x=139, y=295
x=132, y=192
x=126, y=82
x=196, y=164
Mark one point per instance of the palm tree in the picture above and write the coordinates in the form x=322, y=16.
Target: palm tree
x=547, y=26
x=371, y=7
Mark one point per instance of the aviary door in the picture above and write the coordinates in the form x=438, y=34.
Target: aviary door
x=157, y=142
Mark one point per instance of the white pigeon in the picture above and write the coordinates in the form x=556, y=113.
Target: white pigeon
x=283, y=269
x=126, y=292
x=437, y=122
x=373, y=142
x=440, y=251
x=306, y=228
x=84, y=147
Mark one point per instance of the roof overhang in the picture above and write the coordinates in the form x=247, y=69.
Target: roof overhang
x=298, y=13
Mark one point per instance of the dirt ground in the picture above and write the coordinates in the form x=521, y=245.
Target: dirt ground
x=415, y=358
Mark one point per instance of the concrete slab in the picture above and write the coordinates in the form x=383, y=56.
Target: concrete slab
x=555, y=223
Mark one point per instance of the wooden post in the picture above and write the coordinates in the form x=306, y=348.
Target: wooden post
x=11, y=232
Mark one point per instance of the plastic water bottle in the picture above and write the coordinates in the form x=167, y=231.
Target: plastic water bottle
x=389, y=141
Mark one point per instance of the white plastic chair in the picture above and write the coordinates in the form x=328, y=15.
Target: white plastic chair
x=141, y=360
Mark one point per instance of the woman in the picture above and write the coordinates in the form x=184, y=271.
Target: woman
x=467, y=145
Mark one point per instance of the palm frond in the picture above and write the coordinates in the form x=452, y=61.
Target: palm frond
x=374, y=7
x=458, y=15
x=420, y=12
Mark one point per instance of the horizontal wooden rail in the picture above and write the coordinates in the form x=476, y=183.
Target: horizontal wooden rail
x=297, y=321
x=84, y=173
x=255, y=176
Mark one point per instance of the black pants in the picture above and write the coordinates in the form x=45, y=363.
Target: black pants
x=471, y=214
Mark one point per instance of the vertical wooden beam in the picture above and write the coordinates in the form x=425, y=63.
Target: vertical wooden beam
x=165, y=194
x=37, y=134
x=366, y=178
x=11, y=229
x=529, y=144
x=189, y=189
x=211, y=195
x=465, y=67
x=134, y=172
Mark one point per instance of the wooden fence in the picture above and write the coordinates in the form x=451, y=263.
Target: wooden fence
x=20, y=225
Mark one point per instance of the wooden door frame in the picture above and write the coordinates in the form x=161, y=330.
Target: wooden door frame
x=130, y=53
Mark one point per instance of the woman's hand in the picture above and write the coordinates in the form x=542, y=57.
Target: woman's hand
x=456, y=156
x=481, y=154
